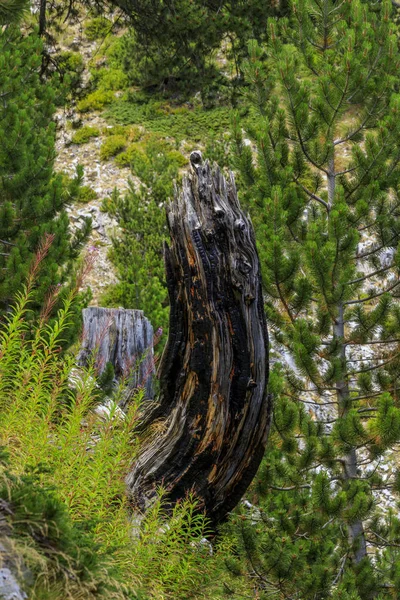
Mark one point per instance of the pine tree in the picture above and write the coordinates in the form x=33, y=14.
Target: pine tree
x=322, y=189
x=173, y=43
x=11, y=11
x=137, y=251
x=33, y=197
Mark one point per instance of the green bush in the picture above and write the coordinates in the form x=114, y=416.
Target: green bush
x=97, y=28
x=137, y=251
x=71, y=65
x=86, y=194
x=43, y=533
x=180, y=122
x=132, y=134
x=134, y=153
x=95, y=101
x=177, y=159
x=137, y=154
x=84, y=134
x=71, y=61
x=106, y=78
x=64, y=482
x=112, y=146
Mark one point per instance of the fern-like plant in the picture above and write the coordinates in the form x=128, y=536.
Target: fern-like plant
x=70, y=519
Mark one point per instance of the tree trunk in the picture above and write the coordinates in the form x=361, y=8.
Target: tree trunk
x=213, y=405
x=350, y=466
x=42, y=17
x=123, y=338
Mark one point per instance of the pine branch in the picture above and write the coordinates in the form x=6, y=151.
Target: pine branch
x=373, y=224
x=369, y=74
x=300, y=138
x=386, y=543
x=368, y=396
x=394, y=341
x=314, y=196
x=341, y=570
x=370, y=114
x=361, y=300
x=366, y=172
x=377, y=249
x=373, y=368
x=336, y=111
x=291, y=488
x=345, y=172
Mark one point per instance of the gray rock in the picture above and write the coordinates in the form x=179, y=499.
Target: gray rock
x=9, y=586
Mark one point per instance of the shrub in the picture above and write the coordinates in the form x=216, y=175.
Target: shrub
x=177, y=159
x=72, y=61
x=137, y=155
x=72, y=65
x=97, y=28
x=112, y=146
x=86, y=194
x=132, y=134
x=33, y=197
x=95, y=101
x=72, y=516
x=137, y=251
x=181, y=123
x=131, y=156
x=106, y=78
x=44, y=535
x=84, y=134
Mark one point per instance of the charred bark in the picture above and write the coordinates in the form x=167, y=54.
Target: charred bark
x=214, y=371
x=123, y=338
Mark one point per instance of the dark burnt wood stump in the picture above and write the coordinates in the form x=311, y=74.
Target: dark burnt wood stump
x=213, y=412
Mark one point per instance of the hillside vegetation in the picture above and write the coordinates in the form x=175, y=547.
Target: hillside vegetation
x=102, y=105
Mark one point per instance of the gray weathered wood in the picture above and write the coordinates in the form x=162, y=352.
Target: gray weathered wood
x=122, y=337
x=213, y=405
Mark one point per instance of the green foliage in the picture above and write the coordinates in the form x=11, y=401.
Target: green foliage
x=106, y=68
x=172, y=44
x=84, y=134
x=138, y=249
x=69, y=517
x=107, y=79
x=71, y=65
x=131, y=134
x=97, y=28
x=95, y=100
x=179, y=122
x=50, y=544
x=112, y=145
x=86, y=194
x=320, y=180
x=136, y=154
x=33, y=197
x=11, y=11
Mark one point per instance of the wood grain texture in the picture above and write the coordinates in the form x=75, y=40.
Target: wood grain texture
x=122, y=337
x=213, y=375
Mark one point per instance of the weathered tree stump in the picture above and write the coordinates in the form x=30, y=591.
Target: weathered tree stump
x=214, y=370
x=122, y=337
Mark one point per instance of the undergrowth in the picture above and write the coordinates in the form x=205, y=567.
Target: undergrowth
x=70, y=519
x=84, y=134
x=180, y=122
